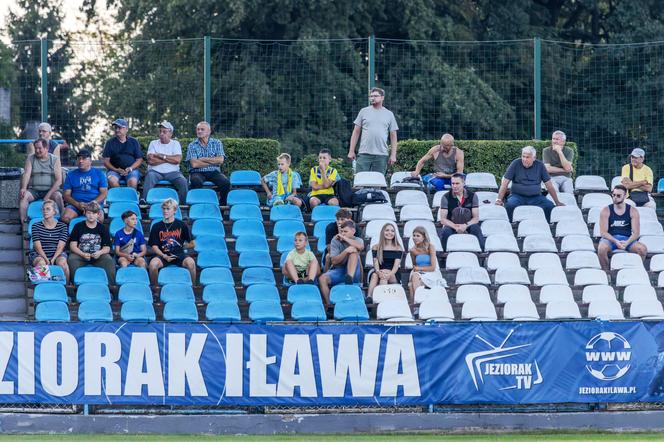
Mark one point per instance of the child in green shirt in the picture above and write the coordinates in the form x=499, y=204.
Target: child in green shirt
x=301, y=266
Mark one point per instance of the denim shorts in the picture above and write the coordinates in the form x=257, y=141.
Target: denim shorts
x=337, y=275
x=133, y=174
x=619, y=238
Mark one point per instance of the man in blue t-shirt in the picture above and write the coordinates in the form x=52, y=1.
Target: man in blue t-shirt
x=122, y=156
x=527, y=175
x=83, y=185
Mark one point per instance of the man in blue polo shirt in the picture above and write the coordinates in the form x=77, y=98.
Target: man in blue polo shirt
x=122, y=156
x=205, y=155
x=83, y=185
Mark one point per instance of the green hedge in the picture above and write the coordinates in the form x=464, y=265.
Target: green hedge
x=480, y=155
x=308, y=161
x=241, y=153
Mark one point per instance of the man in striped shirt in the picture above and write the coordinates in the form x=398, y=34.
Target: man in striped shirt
x=205, y=155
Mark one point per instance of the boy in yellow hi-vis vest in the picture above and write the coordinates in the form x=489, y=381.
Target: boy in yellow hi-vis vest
x=321, y=180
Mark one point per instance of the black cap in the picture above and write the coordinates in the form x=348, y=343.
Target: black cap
x=83, y=153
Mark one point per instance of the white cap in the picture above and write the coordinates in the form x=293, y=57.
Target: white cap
x=166, y=125
x=45, y=126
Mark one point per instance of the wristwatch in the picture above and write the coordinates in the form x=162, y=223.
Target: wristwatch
x=163, y=156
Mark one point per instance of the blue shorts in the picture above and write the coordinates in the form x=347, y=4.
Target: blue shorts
x=337, y=275
x=619, y=238
x=440, y=183
x=133, y=174
x=78, y=212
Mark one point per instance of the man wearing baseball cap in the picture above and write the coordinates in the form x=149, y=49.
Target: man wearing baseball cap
x=122, y=156
x=82, y=186
x=638, y=179
x=164, y=156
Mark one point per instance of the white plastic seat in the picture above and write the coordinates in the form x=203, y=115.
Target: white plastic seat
x=593, y=293
x=486, y=198
x=571, y=243
x=433, y=279
x=512, y=275
x=522, y=213
x=501, y=242
x=560, y=213
x=638, y=292
x=615, y=181
x=387, y=292
x=626, y=261
x=539, y=243
x=590, y=183
x=397, y=177
x=654, y=244
x=544, y=259
x=429, y=226
x=646, y=309
x=436, y=309
x=479, y=311
x=494, y=226
x=472, y=292
x=409, y=196
x=493, y=212
x=660, y=279
x=555, y=293
x=549, y=275
x=533, y=227
x=571, y=227
x=593, y=215
x=393, y=309
x=472, y=275
x=456, y=260
x=631, y=276
x=605, y=310
x=595, y=200
x=582, y=259
x=647, y=214
x=657, y=263
x=423, y=293
x=568, y=199
x=373, y=228
x=415, y=211
x=649, y=227
x=511, y=292
x=437, y=197
x=584, y=277
x=481, y=180
x=463, y=243
x=520, y=310
x=562, y=310
x=378, y=211
x=497, y=260
x=369, y=179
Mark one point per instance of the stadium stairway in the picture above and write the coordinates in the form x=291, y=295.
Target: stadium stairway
x=13, y=305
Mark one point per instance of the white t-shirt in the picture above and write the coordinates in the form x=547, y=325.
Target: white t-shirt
x=172, y=148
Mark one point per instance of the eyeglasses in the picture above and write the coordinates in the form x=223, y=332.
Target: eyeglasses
x=375, y=96
x=615, y=195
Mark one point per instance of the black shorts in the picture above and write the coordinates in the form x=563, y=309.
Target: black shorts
x=179, y=259
x=324, y=199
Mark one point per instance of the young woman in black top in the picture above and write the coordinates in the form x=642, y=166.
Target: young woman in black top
x=387, y=255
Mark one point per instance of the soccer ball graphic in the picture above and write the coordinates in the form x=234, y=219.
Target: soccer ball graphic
x=608, y=356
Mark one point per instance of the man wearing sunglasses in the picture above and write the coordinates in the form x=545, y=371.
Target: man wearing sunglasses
x=619, y=228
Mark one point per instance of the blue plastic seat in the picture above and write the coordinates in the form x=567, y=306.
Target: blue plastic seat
x=245, y=211
x=351, y=311
x=286, y=244
x=117, y=209
x=52, y=311
x=204, y=211
x=257, y=275
x=135, y=291
x=262, y=292
x=263, y=311
x=286, y=211
x=242, y=196
x=309, y=311
x=118, y=223
x=157, y=195
x=255, y=259
x=156, y=213
x=223, y=311
x=137, y=311
x=303, y=292
x=35, y=209
x=50, y=292
x=245, y=178
x=93, y=292
x=208, y=227
x=95, y=310
x=90, y=274
x=251, y=243
x=206, y=243
x=319, y=229
x=249, y=226
x=30, y=224
x=216, y=275
x=180, y=311
x=174, y=275
x=213, y=258
x=177, y=292
x=321, y=247
x=75, y=221
x=660, y=185
x=122, y=195
x=126, y=275
x=202, y=196
x=219, y=292
x=288, y=227
x=323, y=212
x=57, y=273
x=346, y=292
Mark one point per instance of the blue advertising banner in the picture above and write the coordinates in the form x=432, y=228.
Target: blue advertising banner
x=300, y=365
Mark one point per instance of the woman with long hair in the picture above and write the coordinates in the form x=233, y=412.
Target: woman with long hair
x=387, y=256
x=423, y=254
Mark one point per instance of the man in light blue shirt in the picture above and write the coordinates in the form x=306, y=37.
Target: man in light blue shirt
x=205, y=155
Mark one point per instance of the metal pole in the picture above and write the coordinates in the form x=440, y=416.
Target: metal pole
x=207, y=91
x=44, y=78
x=537, y=87
x=372, y=62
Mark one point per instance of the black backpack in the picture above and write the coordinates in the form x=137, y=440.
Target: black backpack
x=343, y=189
x=368, y=196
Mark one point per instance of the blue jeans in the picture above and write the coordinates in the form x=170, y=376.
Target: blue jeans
x=515, y=200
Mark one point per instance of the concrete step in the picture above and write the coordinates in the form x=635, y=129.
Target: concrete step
x=13, y=306
x=10, y=289
x=11, y=241
x=11, y=256
x=12, y=272
x=10, y=228
x=17, y=317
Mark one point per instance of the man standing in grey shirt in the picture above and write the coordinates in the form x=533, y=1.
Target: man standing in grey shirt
x=558, y=161
x=374, y=123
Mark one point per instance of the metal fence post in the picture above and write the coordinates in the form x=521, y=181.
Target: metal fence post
x=372, y=63
x=537, y=87
x=44, y=78
x=207, y=92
